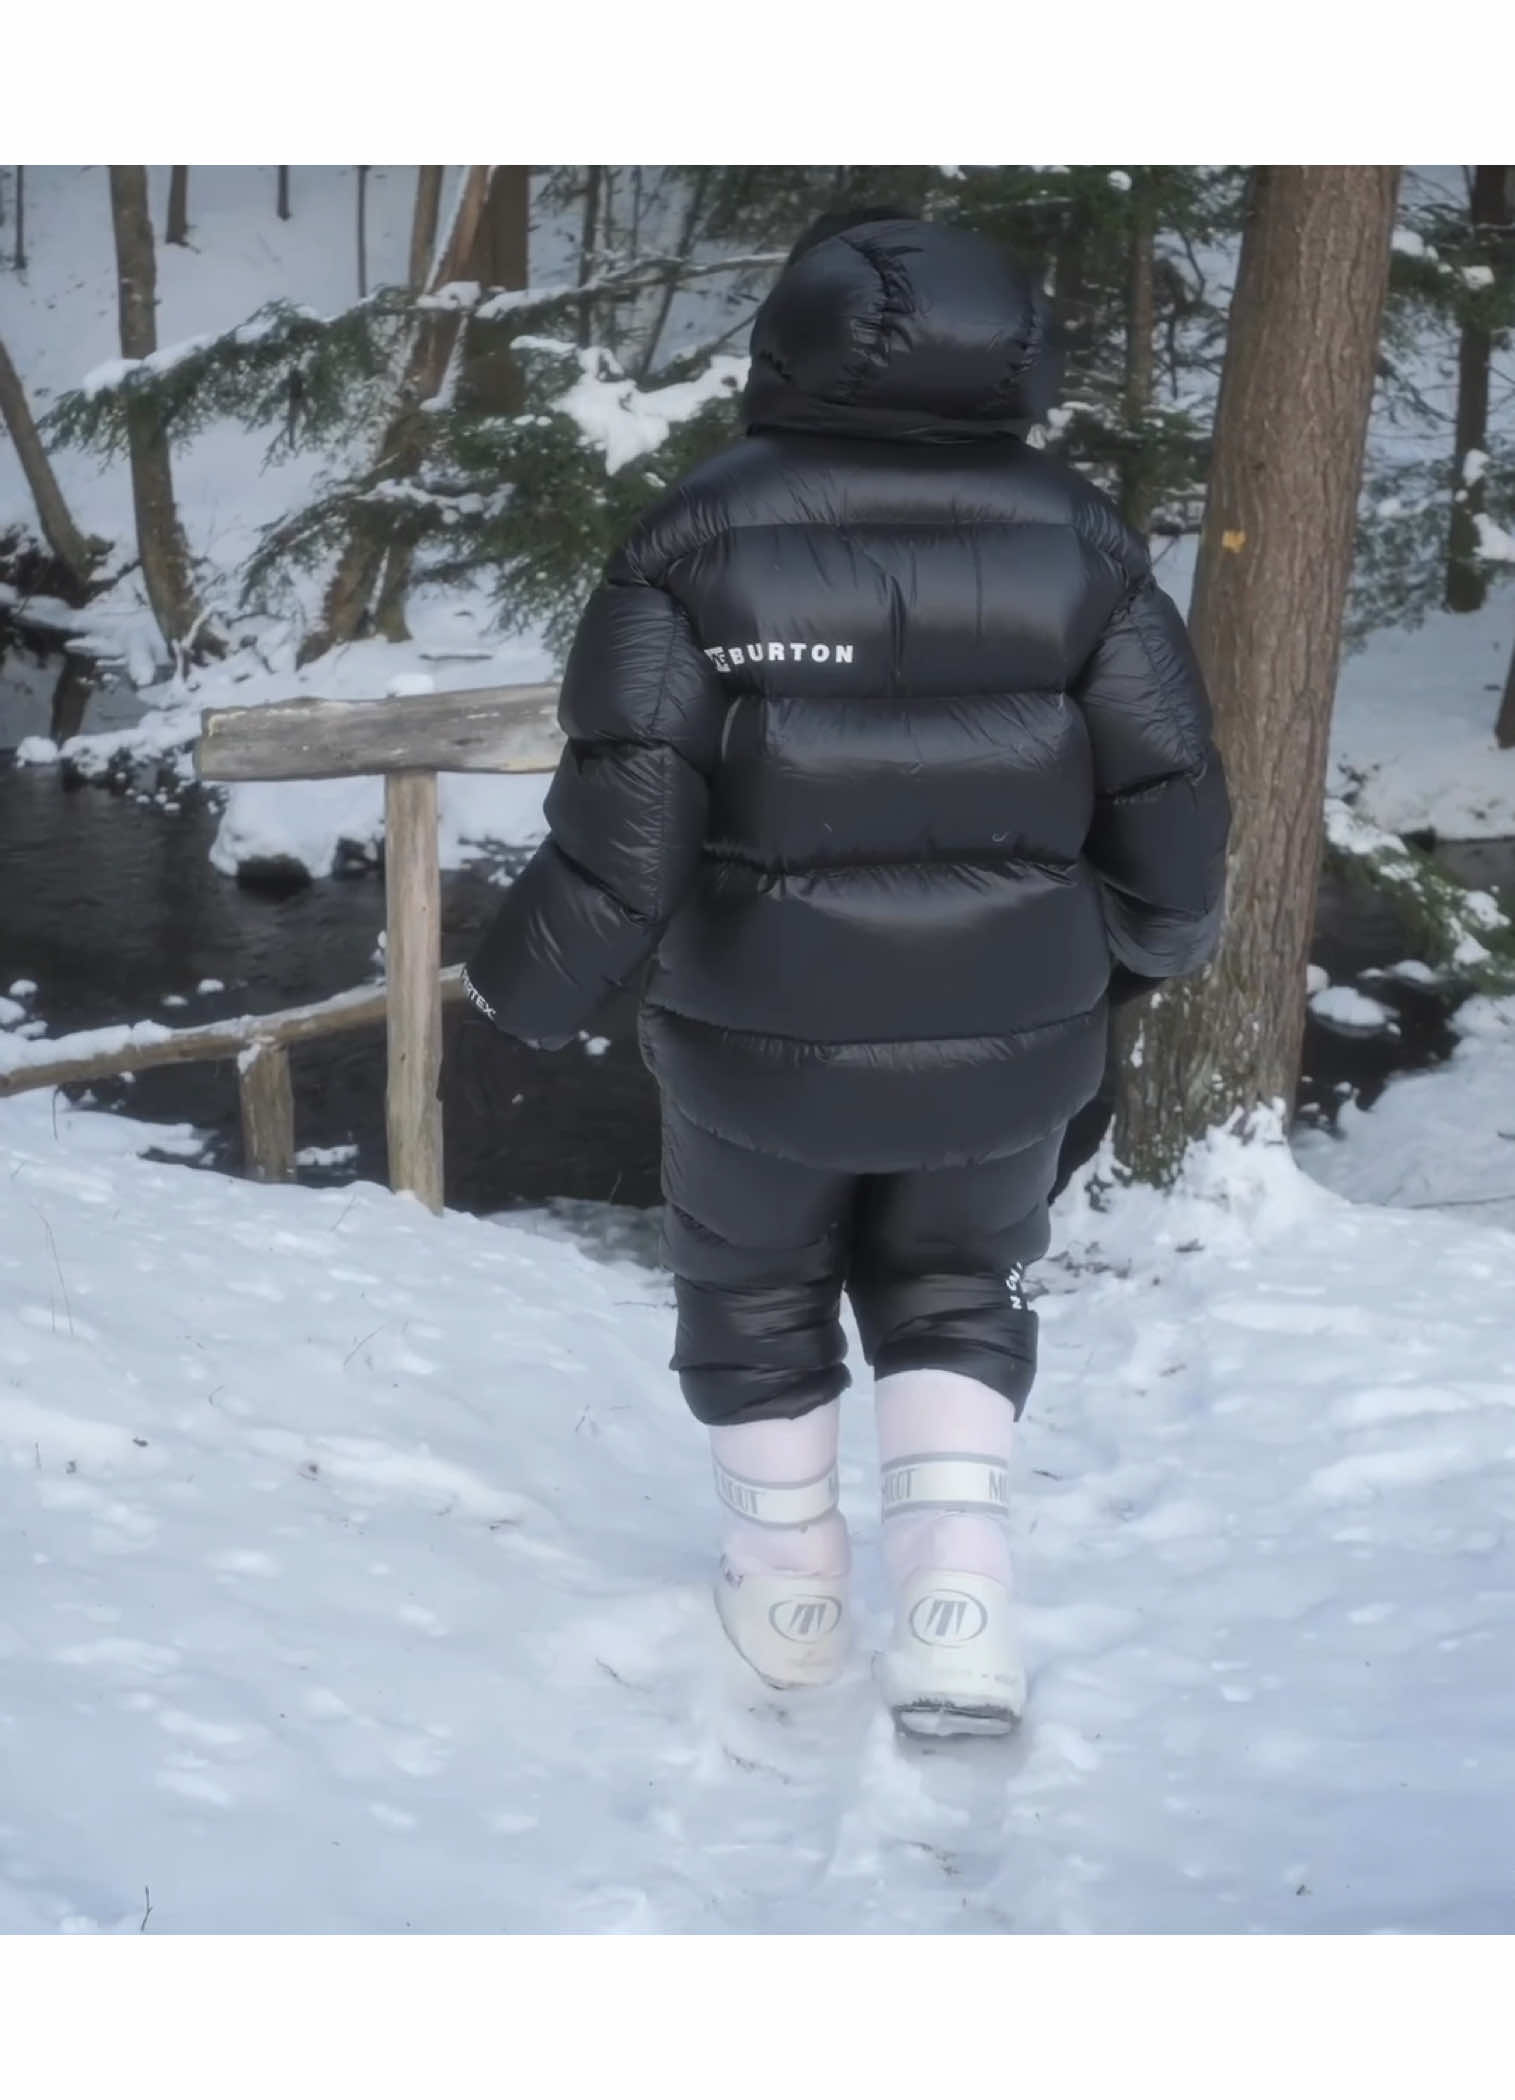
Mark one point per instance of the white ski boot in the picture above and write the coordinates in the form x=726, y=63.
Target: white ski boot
x=954, y=1665
x=791, y=1629
x=781, y=1593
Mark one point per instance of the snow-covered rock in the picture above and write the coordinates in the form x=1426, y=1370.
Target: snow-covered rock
x=1353, y=1012
x=1446, y=1135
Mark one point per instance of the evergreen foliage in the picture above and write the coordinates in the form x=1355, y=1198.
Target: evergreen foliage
x=1446, y=271
x=677, y=262
x=1458, y=930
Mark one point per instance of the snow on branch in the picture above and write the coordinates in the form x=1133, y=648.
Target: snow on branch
x=1494, y=543
x=1461, y=930
x=286, y=366
x=623, y=420
x=647, y=273
x=303, y=372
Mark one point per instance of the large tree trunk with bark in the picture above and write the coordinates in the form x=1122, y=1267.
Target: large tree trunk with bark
x=499, y=249
x=160, y=538
x=1141, y=352
x=176, y=232
x=699, y=190
x=68, y=543
x=1492, y=210
x=423, y=225
x=589, y=241
x=490, y=381
x=1274, y=565
x=350, y=593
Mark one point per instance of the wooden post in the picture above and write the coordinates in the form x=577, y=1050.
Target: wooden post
x=413, y=949
x=268, y=1112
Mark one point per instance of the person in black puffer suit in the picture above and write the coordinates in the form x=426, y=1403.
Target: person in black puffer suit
x=884, y=749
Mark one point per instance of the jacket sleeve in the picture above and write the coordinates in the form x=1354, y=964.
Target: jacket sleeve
x=642, y=710
x=1161, y=815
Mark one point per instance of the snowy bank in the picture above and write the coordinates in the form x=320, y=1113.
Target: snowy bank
x=1412, y=732
x=361, y=1565
x=1412, y=740
x=307, y=822
x=1441, y=1137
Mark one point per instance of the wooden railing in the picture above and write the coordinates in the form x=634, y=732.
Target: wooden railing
x=498, y=729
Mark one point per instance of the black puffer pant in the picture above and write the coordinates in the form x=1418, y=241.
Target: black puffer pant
x=761, y=1249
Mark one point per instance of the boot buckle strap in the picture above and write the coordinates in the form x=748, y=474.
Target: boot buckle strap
x=969, y=1482
x=781, y=1508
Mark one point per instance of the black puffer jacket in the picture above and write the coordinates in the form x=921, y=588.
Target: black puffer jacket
x=882, y=737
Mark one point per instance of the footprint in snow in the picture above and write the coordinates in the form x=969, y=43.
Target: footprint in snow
x=242, y=1560
x=1409, y=1465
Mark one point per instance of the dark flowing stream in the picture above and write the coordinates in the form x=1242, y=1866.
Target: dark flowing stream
x=111, y=907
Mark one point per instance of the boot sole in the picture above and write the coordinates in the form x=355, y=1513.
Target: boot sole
x=942, y=1717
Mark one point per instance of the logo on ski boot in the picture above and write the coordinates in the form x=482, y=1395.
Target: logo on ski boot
x=805, y=1618
x=947, y=1618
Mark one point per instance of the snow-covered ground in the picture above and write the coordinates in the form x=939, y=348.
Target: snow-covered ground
x=1412, y=741
x=1412, y=735
x=357, y=1561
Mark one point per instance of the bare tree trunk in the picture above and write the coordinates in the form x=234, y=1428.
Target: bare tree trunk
x=177, y=230
x=362, y=233
x=1274, y=565
x=1491, y=206
x=1141, y=351
x=698, y=191
x=499, y=250
x=589, y=234
x=490, y=381
x=281, y=194
x=20, y=249
x=160, y=537
x=402, y=447
x=70, y=700
x=58, y=528
x=423, y=225
x=1072, y=306
x=394, y=584
x=610, y=317
x=1504, y=728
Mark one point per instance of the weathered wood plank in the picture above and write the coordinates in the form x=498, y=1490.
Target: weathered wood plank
x=268, y=1112
x=105, y=1053
x=412, y=902
x=498, y=729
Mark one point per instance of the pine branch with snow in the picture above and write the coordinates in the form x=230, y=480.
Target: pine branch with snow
x=1459, y=930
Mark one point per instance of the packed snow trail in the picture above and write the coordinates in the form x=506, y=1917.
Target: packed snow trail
x=356, y=1579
